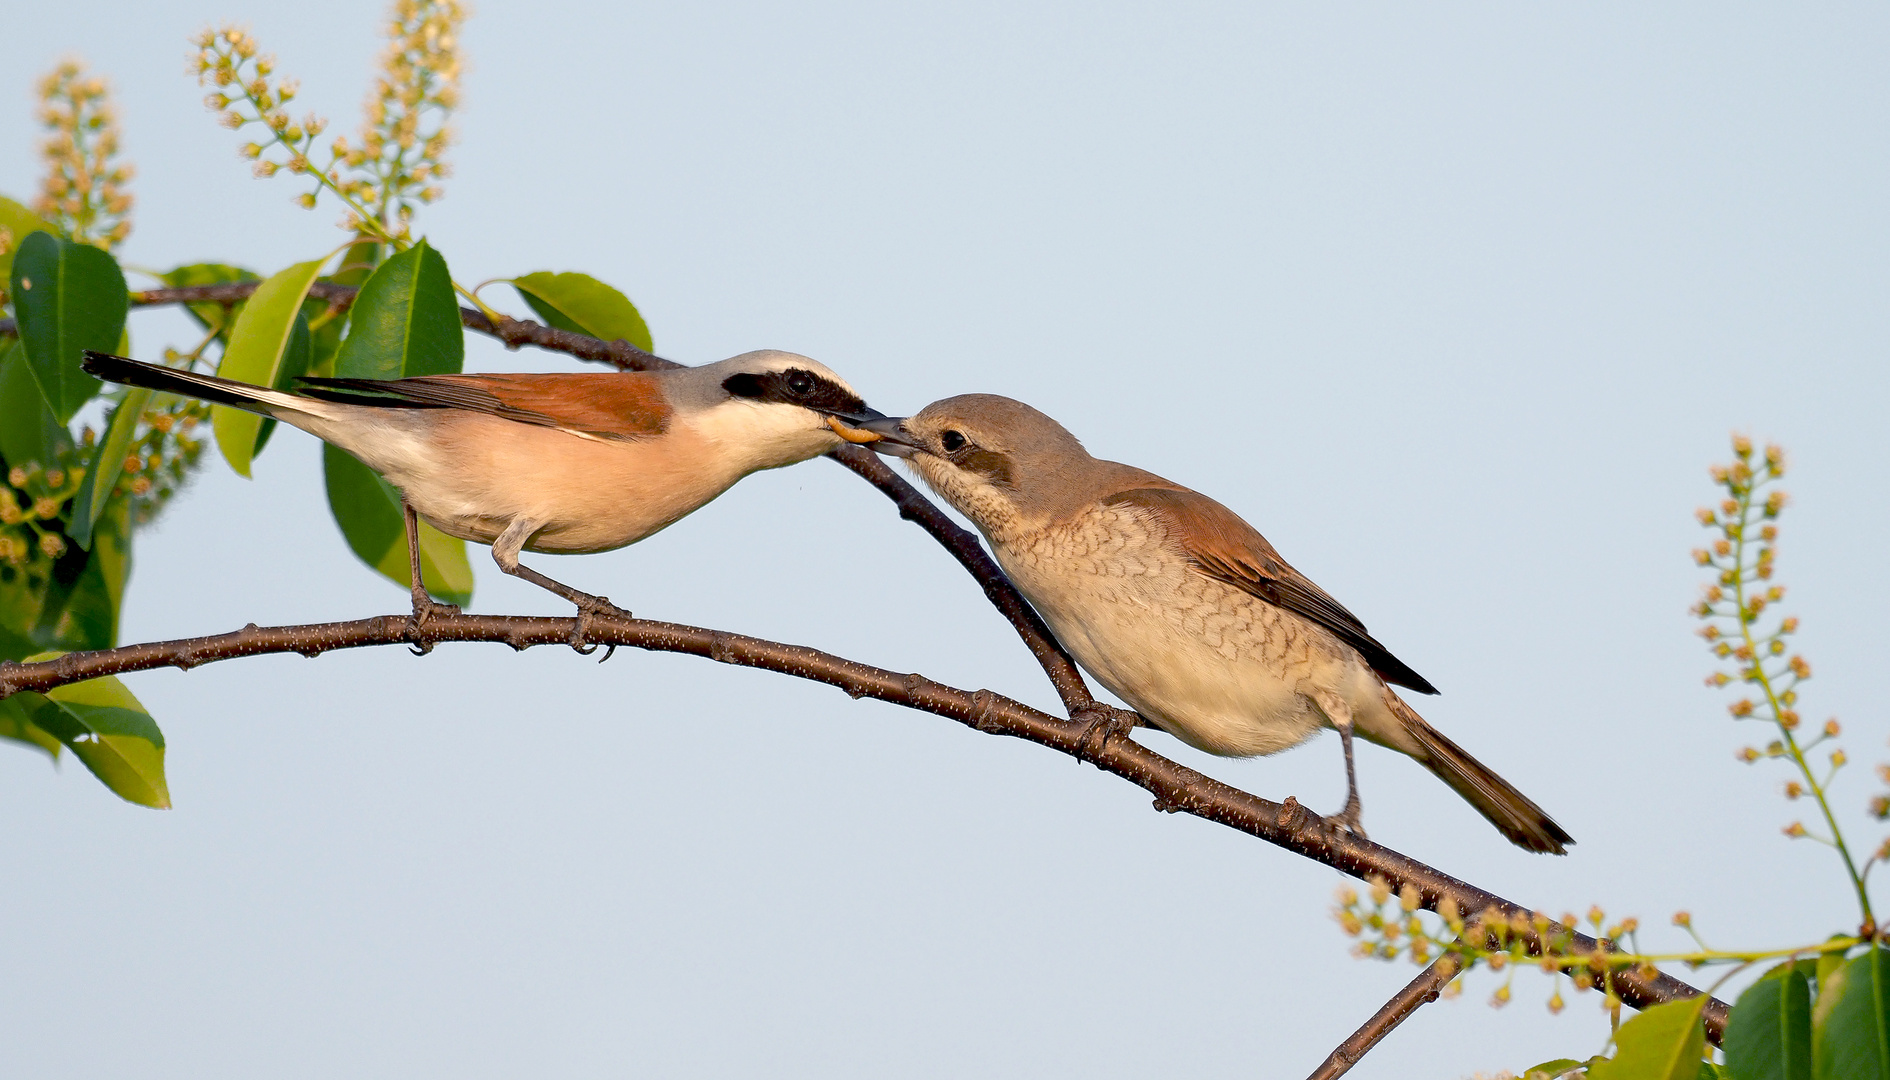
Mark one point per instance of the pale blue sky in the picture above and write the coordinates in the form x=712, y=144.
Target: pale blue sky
x=1455, y=304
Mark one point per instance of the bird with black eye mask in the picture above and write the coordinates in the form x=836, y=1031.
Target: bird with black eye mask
x=556, y=463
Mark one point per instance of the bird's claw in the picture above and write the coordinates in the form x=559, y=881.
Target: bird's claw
x=580, y=633
x=1348, y=820
x=424, y=609
x=1100, y=724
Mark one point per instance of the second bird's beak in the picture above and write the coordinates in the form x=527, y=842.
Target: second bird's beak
x=891, y=436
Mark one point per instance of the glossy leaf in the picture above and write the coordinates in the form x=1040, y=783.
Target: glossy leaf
x=69, y=297
x=1665, y=1042
x=368, y=510
x=1829, y=963
x=1851, y=1021
x=16, y=723
x=1550, y=1070
x=97, y=486
x=108, y=730
x=259, y=342
x=1768, y=1036
x=28, y=430
x=296, y=360
x=405, y=321
x=20, y=222
x=585, y=305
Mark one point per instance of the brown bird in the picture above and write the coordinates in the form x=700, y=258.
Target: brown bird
x=1181, y=608
x=559, y=463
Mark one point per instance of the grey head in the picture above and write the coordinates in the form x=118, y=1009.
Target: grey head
x=769, y=408
x=1001, y=463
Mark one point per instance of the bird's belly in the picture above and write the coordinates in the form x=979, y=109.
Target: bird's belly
x=471, y=476
x=1215, y=668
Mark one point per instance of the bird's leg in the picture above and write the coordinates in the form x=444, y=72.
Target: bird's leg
x=1104, y=722
x=424, y=606
x=505, y=551
x=1340, y=714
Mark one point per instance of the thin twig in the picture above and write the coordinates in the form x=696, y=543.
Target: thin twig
x=1419, y=992
x=1175, y=787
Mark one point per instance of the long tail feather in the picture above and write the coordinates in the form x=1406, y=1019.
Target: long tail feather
x=1512, y=812
x=119, y=369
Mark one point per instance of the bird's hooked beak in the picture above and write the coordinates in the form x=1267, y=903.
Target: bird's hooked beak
x=890, y=436
x=856, y=427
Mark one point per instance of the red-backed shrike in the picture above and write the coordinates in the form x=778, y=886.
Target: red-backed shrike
x=1181, y=608
x=558, y=463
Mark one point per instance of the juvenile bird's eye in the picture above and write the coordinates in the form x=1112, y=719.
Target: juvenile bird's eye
x=800, y=383
x=952, y=441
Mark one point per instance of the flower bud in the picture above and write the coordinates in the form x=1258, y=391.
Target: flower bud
x=1381, y=889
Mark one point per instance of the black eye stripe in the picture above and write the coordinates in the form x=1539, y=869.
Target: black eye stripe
x=794, y=386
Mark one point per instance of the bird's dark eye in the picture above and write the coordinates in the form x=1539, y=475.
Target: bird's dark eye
x=952, y=441
x=800, y=383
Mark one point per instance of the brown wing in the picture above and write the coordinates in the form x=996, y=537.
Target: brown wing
x=628, y=405
x=1225, y=548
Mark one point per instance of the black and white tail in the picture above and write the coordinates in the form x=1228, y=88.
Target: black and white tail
x=259, y=399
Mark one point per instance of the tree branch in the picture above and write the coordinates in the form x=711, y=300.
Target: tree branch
x=1418, y=992
x=1177, y=789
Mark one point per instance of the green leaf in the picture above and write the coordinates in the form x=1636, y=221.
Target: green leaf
x=1665, y=1042
x=1851, y=1022
x=296, y=360
x=358, y=263
x=108, y=730
x=97, y=486
x=1549, y=1070
x=1829, y=963
x=16, y=723
x=1768, y=1036
x=585, y=305
x=28, y=430
x=368, y=510
x=69, y=297
x=19, y=222
x=259, y=341
x=405, y=321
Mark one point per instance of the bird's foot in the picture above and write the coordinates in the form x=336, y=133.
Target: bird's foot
x=589, y=609
x=1349, y=819
x=1102, y=723
x=425, y=608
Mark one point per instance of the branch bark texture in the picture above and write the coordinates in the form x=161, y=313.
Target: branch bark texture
x=1176, y=788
